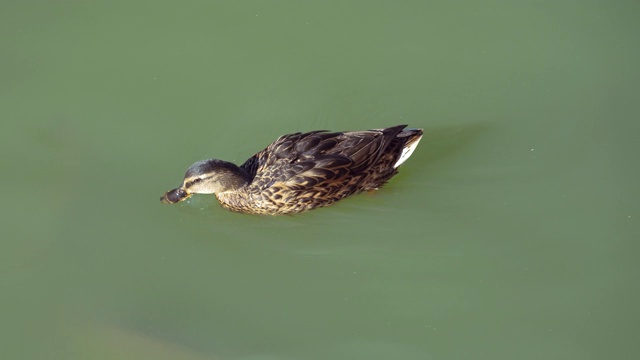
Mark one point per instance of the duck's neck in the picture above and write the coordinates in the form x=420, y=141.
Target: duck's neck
x=234, y=179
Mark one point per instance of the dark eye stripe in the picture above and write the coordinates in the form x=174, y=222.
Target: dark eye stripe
x=193, y=182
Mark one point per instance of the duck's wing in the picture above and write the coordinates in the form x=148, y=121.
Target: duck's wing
x=303, y=160
x=364, y=148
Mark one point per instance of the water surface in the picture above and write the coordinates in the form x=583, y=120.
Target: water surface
x=510, y=233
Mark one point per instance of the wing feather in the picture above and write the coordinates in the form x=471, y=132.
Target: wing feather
x=303, y=160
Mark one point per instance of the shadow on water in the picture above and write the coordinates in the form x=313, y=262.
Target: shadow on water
x=443, y=142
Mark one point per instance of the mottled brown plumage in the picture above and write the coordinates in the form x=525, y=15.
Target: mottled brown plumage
x=302, y=171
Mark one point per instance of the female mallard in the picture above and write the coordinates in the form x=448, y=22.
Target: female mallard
x=300, y=172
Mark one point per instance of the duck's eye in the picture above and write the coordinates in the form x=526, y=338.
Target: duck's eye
x=197, y=180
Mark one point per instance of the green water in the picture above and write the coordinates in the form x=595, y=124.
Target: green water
x=511, y=233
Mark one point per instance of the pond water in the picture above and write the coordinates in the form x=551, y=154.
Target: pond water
x=511, y=233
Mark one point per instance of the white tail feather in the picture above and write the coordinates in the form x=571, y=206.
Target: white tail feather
x=407, y=151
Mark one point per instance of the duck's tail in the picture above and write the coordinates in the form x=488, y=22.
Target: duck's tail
x=413, y=137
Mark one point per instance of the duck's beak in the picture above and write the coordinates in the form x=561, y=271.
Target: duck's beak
x=174, y=196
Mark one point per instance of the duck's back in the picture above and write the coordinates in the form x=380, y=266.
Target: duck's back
x=303, y=171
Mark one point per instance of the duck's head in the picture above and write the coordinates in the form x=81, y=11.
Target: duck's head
x=207, y=177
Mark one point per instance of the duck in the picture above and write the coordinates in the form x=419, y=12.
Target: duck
x=302, y=171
